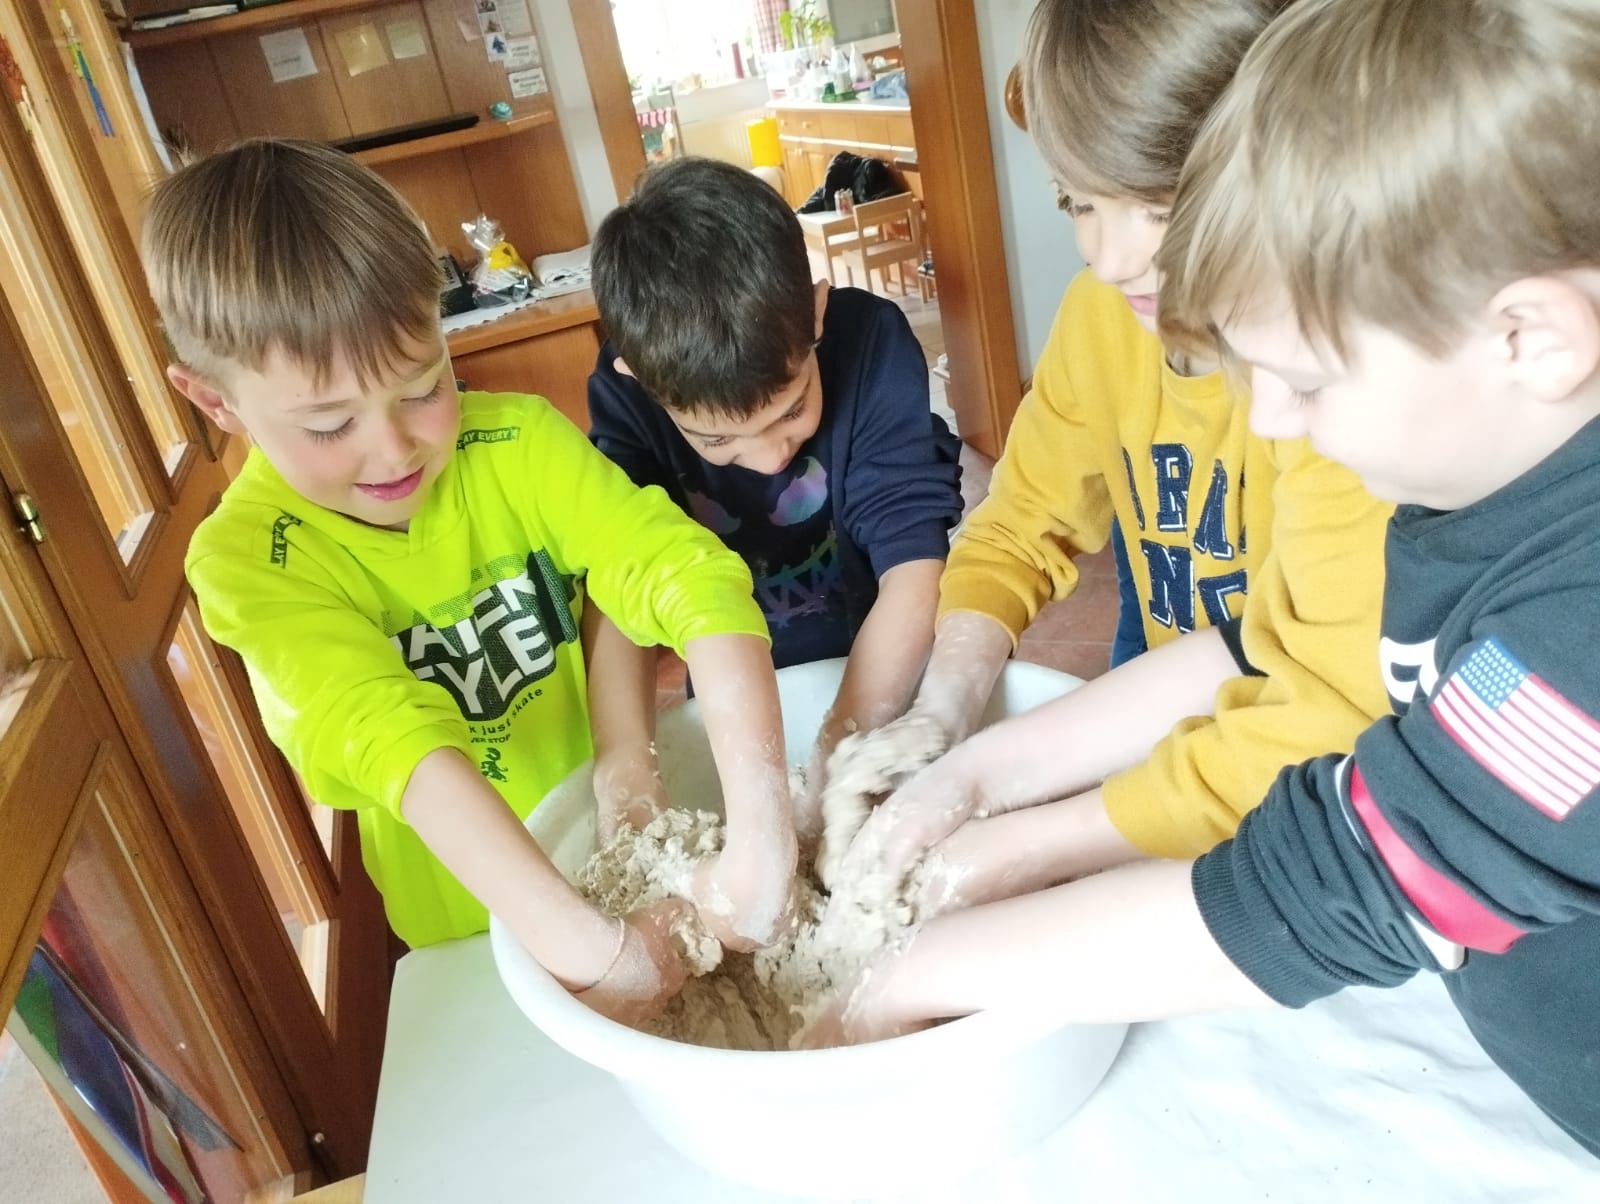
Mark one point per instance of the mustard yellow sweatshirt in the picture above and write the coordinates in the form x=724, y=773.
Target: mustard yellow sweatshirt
x=367, y=649
x=1210, y=514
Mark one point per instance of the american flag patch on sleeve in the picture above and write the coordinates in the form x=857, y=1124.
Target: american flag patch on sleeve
x=1533, y=740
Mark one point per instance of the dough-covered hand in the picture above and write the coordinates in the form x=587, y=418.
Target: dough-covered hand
x=745, y=894
x=937, y=800
x=857, y=1012
x=648, y=969
x=862, y=771
x=627, y=790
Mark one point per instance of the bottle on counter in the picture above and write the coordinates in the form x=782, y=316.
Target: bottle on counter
x=839, y=72
x=860, y=73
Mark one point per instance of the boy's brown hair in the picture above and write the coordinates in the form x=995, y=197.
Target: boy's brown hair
x=1115, y=90
x=704, y=287
x=278, y=245
x=1392, y=161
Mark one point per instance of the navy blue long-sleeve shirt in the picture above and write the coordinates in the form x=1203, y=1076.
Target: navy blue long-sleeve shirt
x=1463, y=834
x=877, y=485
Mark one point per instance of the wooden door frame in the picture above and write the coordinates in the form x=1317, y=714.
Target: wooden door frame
x=950, y=115
x=97, y=593
x=608, y=86
x=69, y=732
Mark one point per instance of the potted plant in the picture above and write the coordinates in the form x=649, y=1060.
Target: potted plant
x=804, y=25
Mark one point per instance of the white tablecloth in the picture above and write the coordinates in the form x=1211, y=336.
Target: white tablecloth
x=1371, y=1095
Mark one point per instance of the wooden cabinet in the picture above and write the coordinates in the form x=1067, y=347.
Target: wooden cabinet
x=548, y=349
x=379, y=64
x=811, y=134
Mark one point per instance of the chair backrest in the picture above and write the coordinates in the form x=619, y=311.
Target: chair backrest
x=874, y=215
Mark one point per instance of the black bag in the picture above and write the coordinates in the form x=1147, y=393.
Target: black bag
x=867, y=180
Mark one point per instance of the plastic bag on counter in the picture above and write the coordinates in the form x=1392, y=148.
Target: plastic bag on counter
x=500, y=276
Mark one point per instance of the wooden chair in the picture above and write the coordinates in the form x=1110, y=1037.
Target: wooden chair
x=888, y=233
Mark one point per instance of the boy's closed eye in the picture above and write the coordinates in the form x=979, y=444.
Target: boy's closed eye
x=789, y=415
x=345, y=427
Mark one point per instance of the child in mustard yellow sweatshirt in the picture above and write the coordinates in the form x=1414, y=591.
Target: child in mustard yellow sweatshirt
x=403, y=572
x=1257, y=563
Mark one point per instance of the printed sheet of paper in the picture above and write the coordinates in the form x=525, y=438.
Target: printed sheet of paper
x=522, y=53
x=362, y=48
x=514, y=19
x=527, y=83
x=288, y=55
x=406, y=40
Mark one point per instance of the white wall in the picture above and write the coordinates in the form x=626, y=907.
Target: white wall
x=580, y=128
x=1040, y=254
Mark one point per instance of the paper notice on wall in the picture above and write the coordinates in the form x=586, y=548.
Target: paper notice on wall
x=288, y=55
x=361, y=48
x=494, y=46
x=489, y=17
x=527, y=83
x=406, y=40
x=514, y=19
x=522, y=53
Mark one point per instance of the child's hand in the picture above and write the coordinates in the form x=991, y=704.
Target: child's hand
x=858, y=1012
x=745, y=895
x=648, y=969
x=628, y=790
x=862, y=770
x=936, y=801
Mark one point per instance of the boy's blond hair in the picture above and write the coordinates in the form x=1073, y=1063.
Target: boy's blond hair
x=1115, y=90
x=1391, y=161
x=277, y=245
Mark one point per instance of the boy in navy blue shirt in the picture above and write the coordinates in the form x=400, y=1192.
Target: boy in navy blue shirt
x=789, y=417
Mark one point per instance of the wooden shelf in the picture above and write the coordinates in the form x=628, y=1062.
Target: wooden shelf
x=558, y=313
x=249, y=18
x=486, y=130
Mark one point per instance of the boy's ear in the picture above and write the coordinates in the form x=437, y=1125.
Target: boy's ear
x=820, y=293
x=1548, y=335
x=205, y=397
x=621, y=365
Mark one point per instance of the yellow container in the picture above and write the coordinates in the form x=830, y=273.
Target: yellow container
x=762, y=134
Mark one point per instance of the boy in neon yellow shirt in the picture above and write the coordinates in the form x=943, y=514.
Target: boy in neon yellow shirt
x=403, y=571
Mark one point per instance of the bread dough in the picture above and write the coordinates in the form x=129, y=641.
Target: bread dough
x=861, y=771
x=756, y=1001
x=642, y=867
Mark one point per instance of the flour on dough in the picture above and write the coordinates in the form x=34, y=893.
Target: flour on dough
x=862, y=770
x=754, y=1001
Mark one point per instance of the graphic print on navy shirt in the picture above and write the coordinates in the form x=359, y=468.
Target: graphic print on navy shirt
x=782, y=526
x=877, y=485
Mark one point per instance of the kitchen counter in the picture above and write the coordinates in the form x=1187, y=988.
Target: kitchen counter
x=878, y=106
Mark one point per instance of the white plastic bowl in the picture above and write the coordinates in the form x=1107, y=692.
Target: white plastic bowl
x=868, y=1120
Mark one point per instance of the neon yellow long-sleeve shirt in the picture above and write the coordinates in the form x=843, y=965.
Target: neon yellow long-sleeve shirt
x=1218, y=523
x=367, y=649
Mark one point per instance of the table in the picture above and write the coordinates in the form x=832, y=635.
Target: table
x=1377, y=1095
x=820, y=230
